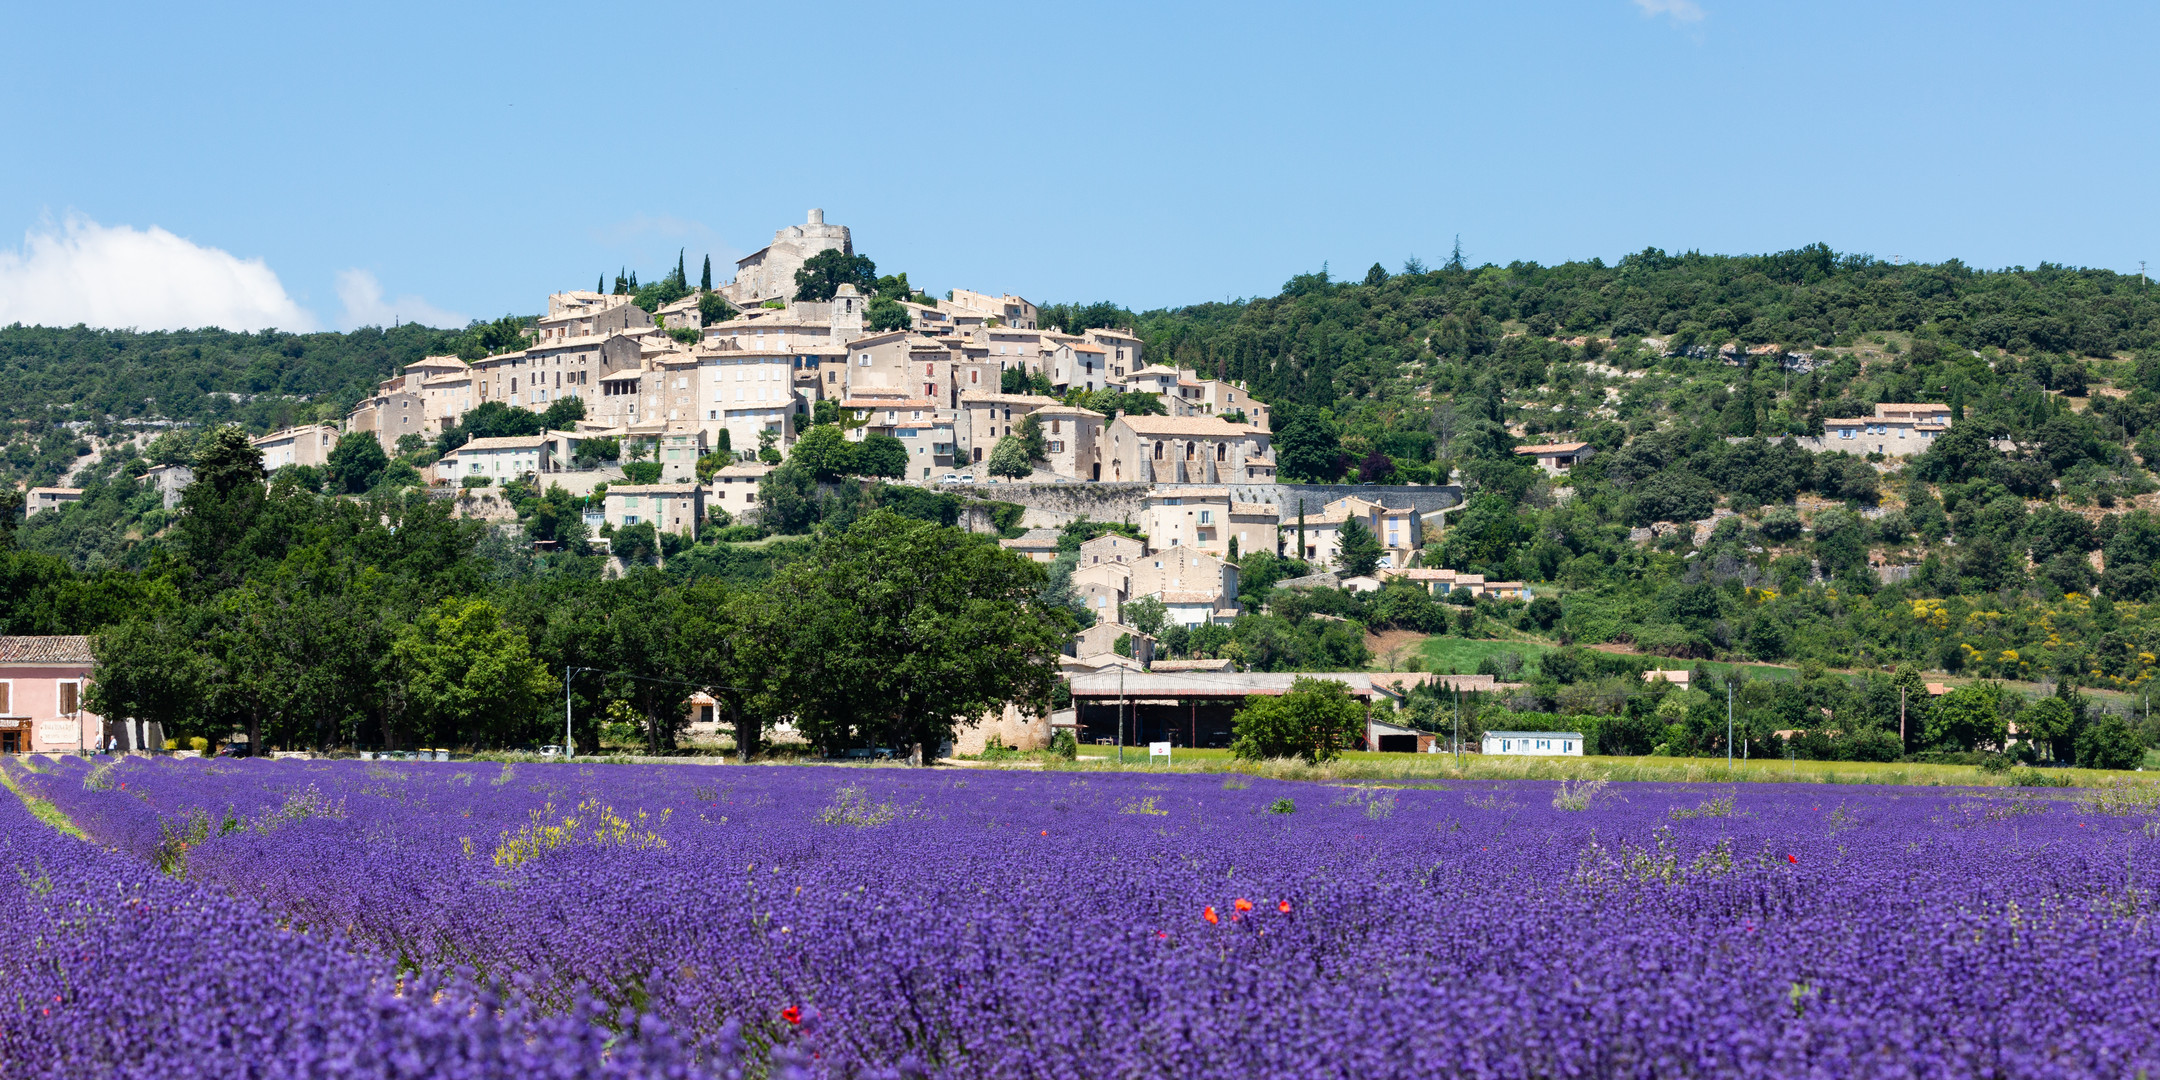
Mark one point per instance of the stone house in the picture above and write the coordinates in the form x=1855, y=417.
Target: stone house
x=1120, y=350
x=987, y=417
x=391, y=416
x=680, y=448
x=669, y=508
x=1397, y=529
x=927, y=431
x=169, y=481
x=1555, y=459
x=1896, y=430
x=40, y=499
x=735, y=487
x=1102, y=588
x=802, y=324
x=308, y=445
x=1111, y=548
x=1441, y=582
x=42, y=680
x=901, y=364
x=1153, y=379
x=1196, y=396
x=683, y=314
x=1072, y=440
x=577, y=314
x=1197, y=588
x=1039, y=545
x=1078, y=365
x=1009, y=310
x=1187, y=450
x=1102, y=638
x=746, y=393
x=1209, y=519
x=499, y=460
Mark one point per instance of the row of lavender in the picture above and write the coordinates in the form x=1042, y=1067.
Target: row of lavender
x=1057, y=926
x=112, y=969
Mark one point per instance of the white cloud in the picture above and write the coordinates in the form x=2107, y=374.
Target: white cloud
x=364, y=305
x=117, y=276
x=1682, y=11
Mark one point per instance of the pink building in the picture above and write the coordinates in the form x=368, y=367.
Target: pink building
x=41, y=695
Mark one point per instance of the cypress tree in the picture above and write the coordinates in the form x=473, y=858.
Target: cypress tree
x=705, y=282
x=601, y=285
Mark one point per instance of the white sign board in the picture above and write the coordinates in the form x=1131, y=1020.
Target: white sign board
x=1158, y=749
x=58, y=731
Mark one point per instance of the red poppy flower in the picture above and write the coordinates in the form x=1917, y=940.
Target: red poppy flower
x=1210, y=916
x=1792, y=858
x=791, y=1014
x=1046, y=832
x=1284, y=907
x=1242, y=904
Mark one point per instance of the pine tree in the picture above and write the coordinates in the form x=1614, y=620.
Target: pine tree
x=705, y=281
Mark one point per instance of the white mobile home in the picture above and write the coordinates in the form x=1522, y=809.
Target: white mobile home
x=1535, y=743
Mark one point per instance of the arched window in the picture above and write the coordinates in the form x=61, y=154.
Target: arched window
x=1158, y=449
x=1222, y=451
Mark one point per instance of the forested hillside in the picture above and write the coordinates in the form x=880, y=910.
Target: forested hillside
x=2019, y=546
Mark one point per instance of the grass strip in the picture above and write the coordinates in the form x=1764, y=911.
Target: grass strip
x=41, y=809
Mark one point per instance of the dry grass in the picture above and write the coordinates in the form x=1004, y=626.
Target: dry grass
x=1413, y=767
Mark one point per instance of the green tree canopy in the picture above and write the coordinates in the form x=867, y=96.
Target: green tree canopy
x=822, y=275
x=1360, y=549
x=356, y=464
x=881, y=455
x=1010, y=459
x=826, y=452
x=466, y=676
x=903, y=630
x=1316, y=720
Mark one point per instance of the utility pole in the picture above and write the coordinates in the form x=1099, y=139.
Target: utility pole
x=1458, y=727
x=1121, y=710
x=1728, y=724
x=568, y=748
x=1901, y=719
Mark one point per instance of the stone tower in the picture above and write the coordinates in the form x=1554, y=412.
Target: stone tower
x=769, y=274
x=847, y=312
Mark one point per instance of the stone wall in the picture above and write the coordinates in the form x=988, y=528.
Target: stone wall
x=1051, y=506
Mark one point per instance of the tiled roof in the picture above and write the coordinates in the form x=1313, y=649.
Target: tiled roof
x=984, y=397
x=60, y=649
x=507, y=442
x=1552, y=448
x=1183, y=425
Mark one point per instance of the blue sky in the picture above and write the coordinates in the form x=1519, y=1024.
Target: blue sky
x=304, y=165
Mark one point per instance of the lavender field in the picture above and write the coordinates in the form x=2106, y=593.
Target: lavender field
x=284, y=919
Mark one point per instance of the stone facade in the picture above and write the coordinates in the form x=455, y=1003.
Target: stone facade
x=1187, y=450
x=769, y=273
x=309, y=445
